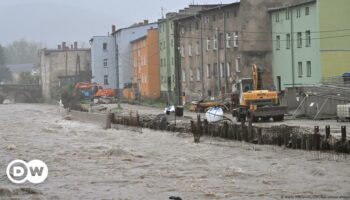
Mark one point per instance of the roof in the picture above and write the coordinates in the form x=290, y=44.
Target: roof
x=290, y=5
x=47, y=51
x=215, y=7
x=134, y=26
x=137, y=39
x=21, y=67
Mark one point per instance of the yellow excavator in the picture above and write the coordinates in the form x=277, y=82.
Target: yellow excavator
x=257, y=104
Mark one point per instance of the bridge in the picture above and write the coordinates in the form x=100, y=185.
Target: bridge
x=20, y=93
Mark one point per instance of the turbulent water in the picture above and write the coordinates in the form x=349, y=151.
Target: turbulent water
x=86, y=162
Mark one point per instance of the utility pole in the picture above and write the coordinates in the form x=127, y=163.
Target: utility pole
x=202, y=57
x=218, y=59
x=177, y=63
x=292, y=43
x=117, y=72
x=66, y=63
x=225, y=54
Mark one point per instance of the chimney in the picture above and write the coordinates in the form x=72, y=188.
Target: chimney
x=113, y=28
x=63, y=45
x=75, y=45
x=145, y=21
x=59, y=46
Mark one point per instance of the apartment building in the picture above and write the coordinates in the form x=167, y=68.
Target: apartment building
x=146, y=73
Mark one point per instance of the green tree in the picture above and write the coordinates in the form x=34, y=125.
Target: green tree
x=2, y=56
x=22, y=52
x=5, y=73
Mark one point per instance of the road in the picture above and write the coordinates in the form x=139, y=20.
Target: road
x=87, y=162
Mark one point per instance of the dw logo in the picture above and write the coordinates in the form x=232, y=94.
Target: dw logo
x=19, y=171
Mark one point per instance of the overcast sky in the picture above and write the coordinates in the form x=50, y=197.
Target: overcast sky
x=53, y=21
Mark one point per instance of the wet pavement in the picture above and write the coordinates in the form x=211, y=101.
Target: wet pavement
x=86, y=162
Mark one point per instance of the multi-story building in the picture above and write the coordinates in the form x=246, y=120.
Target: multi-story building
x=103, y=57
x=124, y=61
x=218, y=46
x=146, y=73
x=167, y=49
x=309, y=41
x=62, y=66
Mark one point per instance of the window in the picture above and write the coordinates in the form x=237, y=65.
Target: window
x=183, y=76
x=238, y=64
x=278, y=42
x=300, y=69
x=308, y=38
x=208, y=71
x=308, y=68
x=182, y=30
x=298, y=12
x=227, y=14
x=214, y=18
x=215, y=41
x=307, y=11
x=105, y=62
x=228, y=68
x=182, y=51
x=221, y=40
x=208, y=43
x=191, y=75
x=300, y=40
x=197, y=48
x=215, y=70
x=198, y=74
x=206, y=19
x=104, y=46
x=197, y=25
x=105, y=79
x=190, y=49
x=228, y=40
x=287, y=15
x=288, y=41
x=222, y=68
x=235, y=39
x=277, y=17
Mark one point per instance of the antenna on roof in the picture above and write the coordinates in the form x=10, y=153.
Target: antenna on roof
x=162, y=10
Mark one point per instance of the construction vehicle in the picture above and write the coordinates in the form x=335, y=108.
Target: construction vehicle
x=92, y=91
x=86, y=91
x=257, y=104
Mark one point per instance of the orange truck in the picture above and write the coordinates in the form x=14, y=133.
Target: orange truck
x=91, y=91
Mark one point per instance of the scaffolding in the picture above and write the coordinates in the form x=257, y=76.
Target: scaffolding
x=335, y=89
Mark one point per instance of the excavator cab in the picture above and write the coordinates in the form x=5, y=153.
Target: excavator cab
x=255, y=104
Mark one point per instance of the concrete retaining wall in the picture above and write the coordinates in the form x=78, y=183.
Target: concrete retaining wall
x=96, y=118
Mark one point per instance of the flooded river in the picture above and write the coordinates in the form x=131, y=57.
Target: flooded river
x=86, y=162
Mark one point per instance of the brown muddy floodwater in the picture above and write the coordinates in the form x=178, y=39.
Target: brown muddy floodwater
x=86, y=162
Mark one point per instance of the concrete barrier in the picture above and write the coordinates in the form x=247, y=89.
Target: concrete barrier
x=96, y=118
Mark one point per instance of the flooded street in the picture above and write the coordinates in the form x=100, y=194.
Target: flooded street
x=87, y=162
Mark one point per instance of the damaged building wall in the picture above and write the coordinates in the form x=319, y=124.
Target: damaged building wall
x=60, y=64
